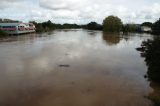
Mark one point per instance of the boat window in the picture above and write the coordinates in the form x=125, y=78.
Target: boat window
x=21, y=26
x=13, y=26
x=8, y=26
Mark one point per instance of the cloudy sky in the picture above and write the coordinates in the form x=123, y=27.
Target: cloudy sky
x=80, y=11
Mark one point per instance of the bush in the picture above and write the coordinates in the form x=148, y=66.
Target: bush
x=93, y=26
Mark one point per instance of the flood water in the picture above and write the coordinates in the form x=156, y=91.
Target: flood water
x=73, y=68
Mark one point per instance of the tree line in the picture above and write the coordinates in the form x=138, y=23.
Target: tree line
x=110, y=24
x=49, y=26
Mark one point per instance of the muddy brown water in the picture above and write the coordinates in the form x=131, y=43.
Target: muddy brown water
x=73, y=68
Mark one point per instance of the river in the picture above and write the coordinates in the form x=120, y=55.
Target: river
x=73, y=68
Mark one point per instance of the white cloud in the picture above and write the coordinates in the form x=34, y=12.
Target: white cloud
x=63, y=4
x=76, y=11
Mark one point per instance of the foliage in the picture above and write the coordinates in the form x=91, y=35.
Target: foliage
x=112, y=24
x=130, y=28
x=151, y=51
x=69, y=26
x=93, y=26
x=156, y=27
x=49, y=26
x=148, y=24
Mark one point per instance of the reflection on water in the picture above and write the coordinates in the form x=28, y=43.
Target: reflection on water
x=97, y=73
x=111, y=39
x=155, y=94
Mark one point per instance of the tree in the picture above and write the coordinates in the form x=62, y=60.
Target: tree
x=148, y=24
x=70, y=26
x=131, y=27
x=151, y=52
x=93, y=26
x=33, y=22
x=156, y=27
x=112, y=24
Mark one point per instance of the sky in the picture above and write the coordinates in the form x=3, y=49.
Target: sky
x=80, y=11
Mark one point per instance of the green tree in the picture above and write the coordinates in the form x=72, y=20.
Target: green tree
x=70, y=26
x=93, y=26
x=151, y=52
x=156, y=27
x=112, y=24
x=129, y=28
x=148, y=24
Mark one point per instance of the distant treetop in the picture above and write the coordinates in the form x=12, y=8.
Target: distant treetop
x=148, y=24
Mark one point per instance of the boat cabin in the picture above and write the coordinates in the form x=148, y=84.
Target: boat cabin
x=17, y=28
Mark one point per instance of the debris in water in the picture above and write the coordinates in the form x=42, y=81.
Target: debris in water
x=64, y=65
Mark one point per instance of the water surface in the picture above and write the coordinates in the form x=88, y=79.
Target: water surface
x=73, y=68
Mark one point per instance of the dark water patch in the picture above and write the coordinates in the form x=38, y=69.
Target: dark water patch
x=64, y=65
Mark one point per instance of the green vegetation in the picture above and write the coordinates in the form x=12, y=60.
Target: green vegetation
x=151, y=52
x=69, y=26
x=112, y=24
x=44, y=27
x=93, y=26
x=148, y=24
x=49, y=26
x=156, y=27
x=130, y=28
x=3, y=34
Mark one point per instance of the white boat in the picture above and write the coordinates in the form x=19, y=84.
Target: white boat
x=17, y=28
